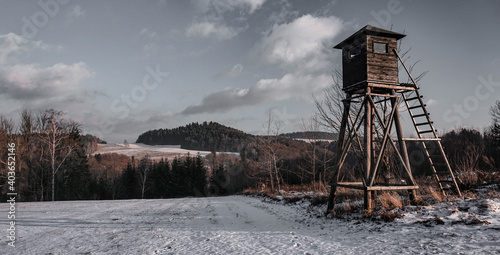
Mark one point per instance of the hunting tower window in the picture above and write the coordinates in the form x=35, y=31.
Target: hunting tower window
x=380, y=47
x=354, y=52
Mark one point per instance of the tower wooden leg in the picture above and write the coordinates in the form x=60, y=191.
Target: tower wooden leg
x=331, y=198
x=368, y=201
x=412, y=194
x=340, y=145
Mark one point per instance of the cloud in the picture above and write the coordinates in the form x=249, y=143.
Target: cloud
x=22, y=81
x=221, y=6
x=148, y=32
x=11, y=46
x=301, y=43
x=213, y=21
x=31, y=81
x=75, y=13
x=149, y=49
x=231, y=74
x=290, y=86
x=285, y=13
x=432, y=102
x=210, y=29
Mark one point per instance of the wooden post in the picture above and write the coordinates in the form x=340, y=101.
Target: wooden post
x=340, y=145
x=368, y=149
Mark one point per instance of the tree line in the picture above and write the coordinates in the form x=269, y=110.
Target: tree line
x=53, y=163
x=179, y=178
x=50, y=160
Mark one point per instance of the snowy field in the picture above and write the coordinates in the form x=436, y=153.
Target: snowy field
x=153, y=151
x=241, y=225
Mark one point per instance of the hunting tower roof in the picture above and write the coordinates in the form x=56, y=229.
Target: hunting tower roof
x=369, y=30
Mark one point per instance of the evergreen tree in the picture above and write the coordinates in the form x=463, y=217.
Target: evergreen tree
x=219, y=181
x=75, y=178
x=129, y=181
x=176, y=181
x=199, y=176
x=187, y=180
x=160, y=176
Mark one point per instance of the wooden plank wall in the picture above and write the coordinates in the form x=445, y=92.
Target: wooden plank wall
x=382, y=67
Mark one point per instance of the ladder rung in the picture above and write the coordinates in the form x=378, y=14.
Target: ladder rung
x=426, y=131
x=422, y=139
x=420, y=115
x=413, y=98
x=445, y=181
x=416, y=106
x=424, y=123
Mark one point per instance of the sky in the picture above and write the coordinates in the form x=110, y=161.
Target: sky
x=120, y=68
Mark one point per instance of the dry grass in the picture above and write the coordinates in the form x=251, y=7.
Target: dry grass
x=289, y=194
x=470, y=178
x=344, y=194
x=390, y=216
x=438, y=220
x=473, y=178
x=390, y=200
x=493, y=194
x=419, y=200
x=469, y=194
x=343, y=208
x=433, y=193
x=252, y=191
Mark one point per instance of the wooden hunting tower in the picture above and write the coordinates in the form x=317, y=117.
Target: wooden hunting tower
x=377, y=154
x=367, y=57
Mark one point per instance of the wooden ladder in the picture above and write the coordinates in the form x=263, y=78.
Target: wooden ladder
x=433, y=149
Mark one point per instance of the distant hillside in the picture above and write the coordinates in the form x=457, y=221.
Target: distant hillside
x=311, y=135
x=206, y=136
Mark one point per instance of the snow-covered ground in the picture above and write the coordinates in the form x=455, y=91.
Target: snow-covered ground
x=153, y=151
x=241, y=225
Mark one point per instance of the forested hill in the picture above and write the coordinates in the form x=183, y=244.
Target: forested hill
x=206, y=136
x=319, y=135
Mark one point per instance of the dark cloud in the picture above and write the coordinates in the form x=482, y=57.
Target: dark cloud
x=289, y=86
x=231, y=74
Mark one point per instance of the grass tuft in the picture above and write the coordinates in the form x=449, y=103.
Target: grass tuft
x=390, y=200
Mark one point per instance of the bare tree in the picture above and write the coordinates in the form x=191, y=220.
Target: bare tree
x=495, y=112
x=113, y=182
x=330, y=107
x=33, y=154
x=311, y=129
x=55, y=133
x=270, y=147
x=143, y=170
